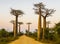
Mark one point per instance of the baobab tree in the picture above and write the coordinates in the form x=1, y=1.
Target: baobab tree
x=20, y=23
x=46, y=14
x=16, y=13
x=13, y=22
x=38, y=11
x=28, y=27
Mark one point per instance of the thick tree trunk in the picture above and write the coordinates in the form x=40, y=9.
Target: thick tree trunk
x=14, y=29
x=39, y=25
x=28, y=28
x=16, y=25
x=19, y=28
x=44, y=26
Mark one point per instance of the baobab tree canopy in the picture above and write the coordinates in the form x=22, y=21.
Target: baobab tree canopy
x=16, y=12
x=39, y=5
x=12, y=21
x=20, y=23
x=29, y=23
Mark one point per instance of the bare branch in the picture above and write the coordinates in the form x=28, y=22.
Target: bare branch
x=49, y=12
x=42, y=16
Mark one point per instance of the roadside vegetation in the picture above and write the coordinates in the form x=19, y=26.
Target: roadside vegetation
x=6, y=37
x=52, y=35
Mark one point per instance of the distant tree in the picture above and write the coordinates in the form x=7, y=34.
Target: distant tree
x=26, y=32
x=16, y=13
x=13, y=22
x=28, y=27
x=20, y=23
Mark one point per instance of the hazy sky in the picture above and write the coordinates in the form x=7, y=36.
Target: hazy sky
x=27, y=7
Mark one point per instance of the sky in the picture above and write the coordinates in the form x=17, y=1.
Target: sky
x=29, y=14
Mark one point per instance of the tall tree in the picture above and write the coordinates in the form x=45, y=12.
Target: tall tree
x=16, y=13
x=28, y=27
x=20, y=23
x=13, y=22
x=46, y=14
x=38, y=9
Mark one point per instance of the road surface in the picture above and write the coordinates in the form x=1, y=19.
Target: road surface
x=25, y=40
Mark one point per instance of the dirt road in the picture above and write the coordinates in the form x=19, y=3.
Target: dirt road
x=25, y=40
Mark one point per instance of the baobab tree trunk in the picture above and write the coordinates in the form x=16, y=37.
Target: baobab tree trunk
x=16, y=25
x=14, y=29
x=28, y=28
x=44, y=27
x=39, y=27
x=19, y=28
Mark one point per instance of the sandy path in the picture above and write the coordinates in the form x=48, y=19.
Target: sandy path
x=25, y=40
